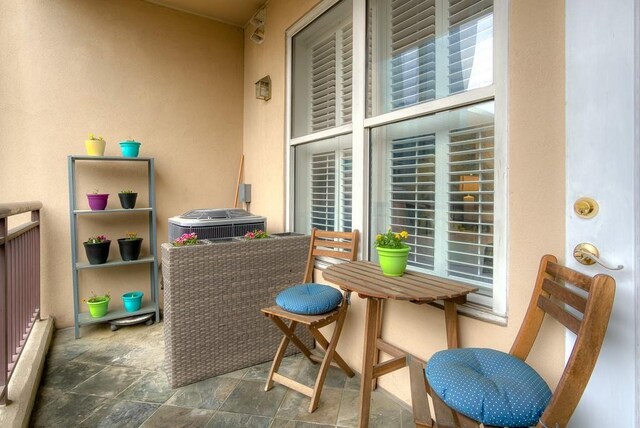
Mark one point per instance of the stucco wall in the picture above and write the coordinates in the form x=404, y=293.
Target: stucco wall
x=119, y=69
x=536, y=182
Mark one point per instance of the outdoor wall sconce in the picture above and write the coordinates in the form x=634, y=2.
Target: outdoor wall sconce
x=258, y=35
x=263, y=88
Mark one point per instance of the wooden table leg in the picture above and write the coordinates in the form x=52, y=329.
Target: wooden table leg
x=368, y=359
x=451, y=322
x=376, y=358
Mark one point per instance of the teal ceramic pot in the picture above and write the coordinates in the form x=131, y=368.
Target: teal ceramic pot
x=130, y=148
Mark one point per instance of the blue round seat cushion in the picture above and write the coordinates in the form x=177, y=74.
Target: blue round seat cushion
x=489, y=386
x=309, y=299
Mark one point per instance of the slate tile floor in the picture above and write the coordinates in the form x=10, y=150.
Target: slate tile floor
x=116, y=379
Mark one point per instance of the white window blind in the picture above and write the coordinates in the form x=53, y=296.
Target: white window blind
x=323, y=190
x=331, y=80
x=471, y=202
x=412, y=195
x=413, y=72
x=347, y=72
x=346, y=190
x=323, y=84
x=470, y=44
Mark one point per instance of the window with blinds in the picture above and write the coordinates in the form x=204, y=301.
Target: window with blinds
x=323, y=190
x=431, y=48
x=322, y=72
x=438, y=185
x=470, y=216
x=412, y=195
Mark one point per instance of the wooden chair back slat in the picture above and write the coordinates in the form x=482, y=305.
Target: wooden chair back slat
x=337, y=245
x=564, y=274
x=552, y=308
x=565, y=295
x=333, y=244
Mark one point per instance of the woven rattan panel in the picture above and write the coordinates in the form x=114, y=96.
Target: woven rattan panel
x=213, y=294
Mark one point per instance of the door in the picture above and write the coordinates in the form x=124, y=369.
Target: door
x=602, y=163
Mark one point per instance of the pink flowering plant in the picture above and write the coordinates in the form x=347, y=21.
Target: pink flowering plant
x=186, y=239
x=256, y=234
x=97, y=239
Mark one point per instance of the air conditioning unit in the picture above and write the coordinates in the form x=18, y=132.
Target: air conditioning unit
x=215, y=223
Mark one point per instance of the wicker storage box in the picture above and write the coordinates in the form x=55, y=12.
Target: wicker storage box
x=213, y=294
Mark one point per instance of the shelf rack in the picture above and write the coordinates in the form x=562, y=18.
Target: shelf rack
x=83, y=318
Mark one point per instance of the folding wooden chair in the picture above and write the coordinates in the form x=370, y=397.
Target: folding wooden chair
x=468, y=386
x=315, y=306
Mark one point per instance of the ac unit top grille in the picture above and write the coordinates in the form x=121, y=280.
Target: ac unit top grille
x=215, y=223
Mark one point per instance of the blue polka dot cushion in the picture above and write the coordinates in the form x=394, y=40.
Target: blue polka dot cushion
x=309, y=299
x=489, y=386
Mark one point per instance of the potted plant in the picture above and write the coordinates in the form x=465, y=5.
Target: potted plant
x=132, y=301
x=130, y=246
x=393, y=254
x=127, y=199
x=130, y=148
x=97, y=201
x=97, y=249
x=256, y=234
x=98, y=305
x=185, y=239
x=95, y=145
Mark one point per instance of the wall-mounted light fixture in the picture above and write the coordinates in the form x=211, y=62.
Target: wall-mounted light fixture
x=258, y=35
x=263, y=88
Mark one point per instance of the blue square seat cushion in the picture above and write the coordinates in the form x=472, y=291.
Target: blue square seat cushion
x=309, y=299
x=489, y=386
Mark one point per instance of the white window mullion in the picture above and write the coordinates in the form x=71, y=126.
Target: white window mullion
x=441, y=214
x=360, y=160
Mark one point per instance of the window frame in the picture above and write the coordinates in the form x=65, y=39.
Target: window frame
x=489, y=308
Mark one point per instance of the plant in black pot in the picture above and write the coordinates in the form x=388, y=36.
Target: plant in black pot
x=97, y=249
x=130, y=246
x=127, y=199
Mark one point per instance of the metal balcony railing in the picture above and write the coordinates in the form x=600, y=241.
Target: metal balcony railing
x=19, y=285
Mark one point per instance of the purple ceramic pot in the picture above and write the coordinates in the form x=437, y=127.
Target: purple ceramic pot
x=97, y=201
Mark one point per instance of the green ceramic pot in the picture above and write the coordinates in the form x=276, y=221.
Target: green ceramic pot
x=393, y=261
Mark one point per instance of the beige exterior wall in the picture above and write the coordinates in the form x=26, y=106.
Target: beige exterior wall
x=536, y=182
x=119, y=69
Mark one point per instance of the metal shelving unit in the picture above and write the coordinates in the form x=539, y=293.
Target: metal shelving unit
x=83, y=318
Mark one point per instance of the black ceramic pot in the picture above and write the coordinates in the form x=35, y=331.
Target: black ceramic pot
x=130, y=248
x=128, y=200
x=97, y=253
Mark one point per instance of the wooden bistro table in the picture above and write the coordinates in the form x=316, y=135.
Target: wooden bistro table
x=366, y=279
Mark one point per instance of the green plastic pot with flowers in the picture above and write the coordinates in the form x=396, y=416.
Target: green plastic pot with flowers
x=98, y=305
x=393, y=253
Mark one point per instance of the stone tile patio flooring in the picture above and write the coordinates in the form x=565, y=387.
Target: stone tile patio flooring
x=116, y=379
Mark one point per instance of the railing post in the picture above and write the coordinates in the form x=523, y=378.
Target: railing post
x=4, y=351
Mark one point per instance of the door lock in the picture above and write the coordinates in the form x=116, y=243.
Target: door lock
x=586, y=207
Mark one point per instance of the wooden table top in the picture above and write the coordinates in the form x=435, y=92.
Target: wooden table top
x=366, y=279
